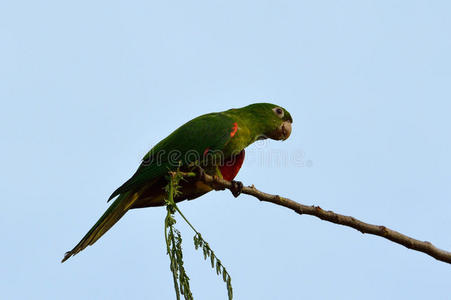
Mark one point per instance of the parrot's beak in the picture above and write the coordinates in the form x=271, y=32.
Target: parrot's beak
x=282, y=132
x=286, y=130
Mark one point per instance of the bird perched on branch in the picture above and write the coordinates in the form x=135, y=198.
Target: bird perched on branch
x=213, y=142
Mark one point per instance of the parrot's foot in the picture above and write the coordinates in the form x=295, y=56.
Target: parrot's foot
x=215, y=185
x=237, y=187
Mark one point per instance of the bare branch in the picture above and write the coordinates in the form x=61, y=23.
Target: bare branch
x=330, y=216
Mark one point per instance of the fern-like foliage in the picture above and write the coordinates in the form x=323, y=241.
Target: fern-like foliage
x=199, y=242
x=174, y=243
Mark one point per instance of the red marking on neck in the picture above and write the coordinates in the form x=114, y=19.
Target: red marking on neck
x=231, y=167
x=234, y=129
x=206, y=150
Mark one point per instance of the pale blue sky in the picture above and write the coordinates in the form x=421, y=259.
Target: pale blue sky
x=88, y=87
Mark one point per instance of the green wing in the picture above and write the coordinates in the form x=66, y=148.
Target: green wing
x=210, y=132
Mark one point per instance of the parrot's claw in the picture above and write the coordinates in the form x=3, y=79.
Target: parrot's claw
x=237, y=187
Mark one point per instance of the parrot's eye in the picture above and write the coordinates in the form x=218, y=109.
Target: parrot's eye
x=278, y=111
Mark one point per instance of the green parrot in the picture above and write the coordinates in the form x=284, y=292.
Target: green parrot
x=214, y=142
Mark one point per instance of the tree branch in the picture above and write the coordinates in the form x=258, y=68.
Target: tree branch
x=330, y=216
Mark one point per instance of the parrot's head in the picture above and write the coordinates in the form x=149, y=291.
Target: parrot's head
x=271, y=121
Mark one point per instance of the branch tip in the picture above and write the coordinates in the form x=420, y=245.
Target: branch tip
x=422, y=246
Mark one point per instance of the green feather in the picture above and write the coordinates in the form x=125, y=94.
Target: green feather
x=116, y=210
x=192, y=138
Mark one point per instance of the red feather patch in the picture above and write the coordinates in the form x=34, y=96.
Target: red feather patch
x=231, y=167
x=234, y=129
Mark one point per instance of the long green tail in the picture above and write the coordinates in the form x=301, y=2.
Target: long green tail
x=116, y=210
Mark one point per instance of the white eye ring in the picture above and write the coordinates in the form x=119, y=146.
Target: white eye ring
x=278, y=111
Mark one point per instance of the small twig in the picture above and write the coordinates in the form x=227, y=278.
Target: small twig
x=174, y=242
x=330, y=216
